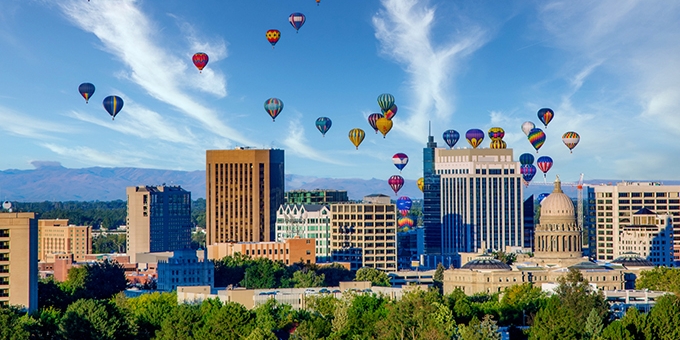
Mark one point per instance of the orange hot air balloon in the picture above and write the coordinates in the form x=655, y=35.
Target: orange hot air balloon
x=384, y=125
x=356, y=136
x=273, y=36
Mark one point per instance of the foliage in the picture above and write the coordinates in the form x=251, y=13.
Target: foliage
x=520, y=303
x=438, y=277
x=417, y=313
x=375, y=276
x=150, y=310
x=334, y=274
x=98, y=214
x=507, y=258
x=51, y=294
x=307, y=278
x=660, y=278
x=99, y=280
x=198, y=239
x=231, y=270
x=95, y=319
x=664, y=319
x=263, y=273
x=198, y=212
x=476, y=330
x=109, y=243
x=594, y=325
x=11, y=324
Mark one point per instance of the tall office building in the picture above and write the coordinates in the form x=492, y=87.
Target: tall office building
x=58, y=237
x=158, y=219
x=244, y=188
x=529, y=223
x=589, y=223
x=481, y=200
x=432, y=224
x=19, y=260
x=616, y=204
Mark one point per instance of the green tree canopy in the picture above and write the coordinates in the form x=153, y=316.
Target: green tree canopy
x=375, y=276
x=95, y=319
x=660, y=278
x=99, y=280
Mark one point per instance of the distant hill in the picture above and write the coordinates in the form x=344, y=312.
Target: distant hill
x=50, y=181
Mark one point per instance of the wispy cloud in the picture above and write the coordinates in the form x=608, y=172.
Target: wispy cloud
x=27, y=126
x=128, y=34
x=404, y=29
x=296, y=143
x=94, y=157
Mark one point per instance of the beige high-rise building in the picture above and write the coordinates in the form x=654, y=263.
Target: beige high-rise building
x=616, y=204
x=365, y=234
x=59, y=238
x=158, y=219
x=244, y=188
x=19, y=260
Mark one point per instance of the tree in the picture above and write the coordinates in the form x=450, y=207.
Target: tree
x=594, y=325
x=316, y=327
x=307, y=278
x=375, y=276
x=263, y=273
x=109, y=243
x=12, y=327
x=51, y=294
x=231, y=270
x=334, y=274
x=507, y=258
x=438, y=278
x=660, y=278
x=664, y=318
x=197, y=239
x=476, y=330
x=99, y=280
x=150, y=310
x=417, y=313
x=95, y=319
x=230, y=320
x=520, y=303
x=181, y=323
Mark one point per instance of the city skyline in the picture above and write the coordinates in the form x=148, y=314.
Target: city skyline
x=606, y=69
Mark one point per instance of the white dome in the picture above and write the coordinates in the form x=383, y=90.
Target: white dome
x=557, y=203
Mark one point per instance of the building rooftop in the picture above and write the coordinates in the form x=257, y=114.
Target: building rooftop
x=486, y=262
x=632, y=260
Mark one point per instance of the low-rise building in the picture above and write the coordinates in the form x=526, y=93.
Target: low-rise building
x=289, y=251
x=650, y=236
x=306, y=221
x=184, y=268
x=58, y=237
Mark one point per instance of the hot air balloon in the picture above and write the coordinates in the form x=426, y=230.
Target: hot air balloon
x=86, y=90
x=323, y=124
x=498, y=144
x=528, y=172
x=545, y=115
x=385, y=101
x=542, y=196
x=404, y=203
x=273, y=36
x=405, y=222
x=396, y=182
x=391, y=112
x=527, y=126
x=273, y=106
x=451, y=137
x=317, y=2
x=474, y=137
x=200, y=60
x=544, y=163
x=536, y=138
x=496, y=133
x=356, y=136
x=526, y=158
x=421, y=183
x=297, y=20
x=373, y=118
x=384, y=125
x=400, y=160
x=571, y=139
x=112, y=105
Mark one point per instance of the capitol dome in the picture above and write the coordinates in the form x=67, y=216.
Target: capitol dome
x=557, y=203
x=486, y=262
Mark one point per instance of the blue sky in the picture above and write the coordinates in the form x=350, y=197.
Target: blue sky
x=609, y=69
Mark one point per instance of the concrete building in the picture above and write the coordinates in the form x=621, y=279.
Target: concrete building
x=19, y=260
x=158, y=219
x=648, y=235
x=616, y=204
x=365, y=234
x=288, y=251
x=317, y=196
x=57, y=237
x=306, y=221
x=244, y=188
x=184, y=268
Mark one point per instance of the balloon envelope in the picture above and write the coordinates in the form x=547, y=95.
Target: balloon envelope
x=200, y=59
x=421, y=183
x=373, y=118
x=498, y=144
x=528, y=172
x=400, y=160
x=389, y=113
x=527, y=126
x=384, y=125
x=405, y=222
x=86, y=90
x=451, y=137
x=323, y=124
x=396, y=182
x=544, y=163
x=526, y=158
x=113, y=105
x=542, y=196
x=571, y=139
x=474, y=137
x=356, y=136
x=496, y=133
x=545, y=115
x=297, y=20
x=273, y=106
x=385, y=101
x=404, y=203
x=273, y=36
x=536, y=138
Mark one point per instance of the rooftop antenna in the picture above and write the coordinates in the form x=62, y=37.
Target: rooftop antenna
x=429, y=128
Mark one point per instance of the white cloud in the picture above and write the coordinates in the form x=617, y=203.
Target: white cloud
x=404, y=29
x=296, y=143
x=94, y=157
x=23, y=125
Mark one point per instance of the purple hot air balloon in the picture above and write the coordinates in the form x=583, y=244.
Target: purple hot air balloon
x=474, y=137
x=528, y=172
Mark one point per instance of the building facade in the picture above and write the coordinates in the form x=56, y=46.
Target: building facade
x=293, y=250
x=648, y=235
x=615, y=205
x=57, y=237
x=432, y=219
x=529, y=222
x=244, y=188
x=306, y=221
x=19, y=260
x=184, y=268
x=158, y=219
x=318, y=196
x=365, y=234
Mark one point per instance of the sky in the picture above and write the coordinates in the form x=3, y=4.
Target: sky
x=610, y=70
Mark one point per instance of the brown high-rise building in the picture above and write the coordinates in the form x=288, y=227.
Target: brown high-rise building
x=19, y=260
x=57, y=237
x=244, y=188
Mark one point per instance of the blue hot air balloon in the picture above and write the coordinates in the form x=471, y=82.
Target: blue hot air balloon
x=451, y=137
x=404, y=203
x=526, y=158
x=323, y=124
x=528, y=172
x=86, y=90
x=112, y=105
x=542, y=196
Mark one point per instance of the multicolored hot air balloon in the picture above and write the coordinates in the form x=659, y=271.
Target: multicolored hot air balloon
x=527, y=126
x=451, y=137
x=86, y=90
x=391, y=112
x=421, y=183
x=474, y=137
x=373, y=118
x=273, y=36
x=384, y=125
x=400, y=160
x=528, y=172
x=396, y=182
x=526, y=158
x=571, y=139
x=498, y=144
x=544, y=163
x=112, y=105
x=496, y=133
x=273, y=106
x=405, y=222
x=297, y=20
x=200, y=59
x=536, y=138
x=323, y=124
x=356, y=136
x=545, y=115
x=385, y=101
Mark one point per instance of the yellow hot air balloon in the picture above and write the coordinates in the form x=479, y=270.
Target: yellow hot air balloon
x=498, y=144
x=421, y=183
x=384, y=125
x=356, y=136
